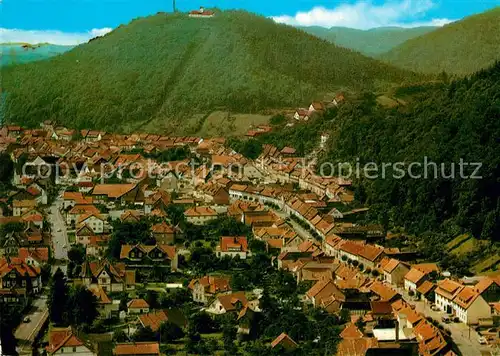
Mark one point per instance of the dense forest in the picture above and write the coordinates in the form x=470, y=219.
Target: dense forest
x=462, y=47
x=168, y=66
x=442, y=123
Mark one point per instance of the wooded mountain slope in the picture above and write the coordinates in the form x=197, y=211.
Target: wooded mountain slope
x=371, y=42
x=461, y=47
x=165, y=67
x=444, y=124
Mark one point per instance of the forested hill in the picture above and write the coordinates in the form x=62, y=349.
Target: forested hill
x=461, y=47
x=445, y=123
x=166, y=67
x=373, y=42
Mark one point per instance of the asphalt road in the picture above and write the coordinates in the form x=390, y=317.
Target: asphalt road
x=303, y=233
x=26, y=332
x=466, y=339
x=60, y=242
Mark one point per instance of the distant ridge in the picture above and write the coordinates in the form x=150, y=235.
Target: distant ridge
x=371, y=42
x=462, y=47
x=14, y=53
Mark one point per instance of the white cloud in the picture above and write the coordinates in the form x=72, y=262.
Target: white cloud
x=50, y=36
x=365, y=15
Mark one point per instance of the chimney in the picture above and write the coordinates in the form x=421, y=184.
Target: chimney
x=396, y=323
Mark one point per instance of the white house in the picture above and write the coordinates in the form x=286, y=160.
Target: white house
x=201, y=13
x=469, y=306
x=462, y=301
x=138, y=306
x=63, y=341
x=227, y=303
x=413, y=279
x=205, y=288
x=200, y=215
x=395, y=272
x=94, y=221
x=301, y=115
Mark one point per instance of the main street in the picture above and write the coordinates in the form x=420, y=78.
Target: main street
x=303, y=233
x=60, y=242
x=26, y=332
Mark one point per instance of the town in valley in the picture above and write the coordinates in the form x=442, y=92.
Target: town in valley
x=146, y=244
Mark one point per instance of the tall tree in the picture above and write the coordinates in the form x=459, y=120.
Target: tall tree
x=58, y=296
x=170, y=332
x=144, y=334
x=6, y=168
x=81, y=306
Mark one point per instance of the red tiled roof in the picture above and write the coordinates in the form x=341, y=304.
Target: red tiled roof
x=113, y=190
x=18, y=265
x=62, y=337
x=414, y=275
x=200, y=211
x=202, y=13
x=212, y=284
x=427, y=267
x=449, y=286
x=391, y=265
x=466, y=297
x=385, y=292
x=285, y=341
x=371, y=252
x=485, y=283
x=351, y=331
x=101, y=295
x=138, y=304
x=162, y=228
x=154, y=319
x=356, y=347
x=41, y=254
x=426, y=287
x=137, y=348
x=228, y=301
x=232, y=243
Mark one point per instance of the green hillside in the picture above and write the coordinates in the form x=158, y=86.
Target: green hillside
x=369, y=42
x=12, y=53
x=163, y=68
x=461, y=47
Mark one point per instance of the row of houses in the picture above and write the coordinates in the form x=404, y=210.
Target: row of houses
x=472, y=304
x=316, y=107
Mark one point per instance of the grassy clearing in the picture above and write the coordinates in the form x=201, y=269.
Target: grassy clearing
x=223, y=123
x=457, y=241
x=487, y=266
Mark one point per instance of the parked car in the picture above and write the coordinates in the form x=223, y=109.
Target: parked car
x=26, y=320
x=446, y=319
x=482, y=340
x=456, y=319
x=434, y=307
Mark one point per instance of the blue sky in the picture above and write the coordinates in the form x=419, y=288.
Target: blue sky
x=75, y=21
